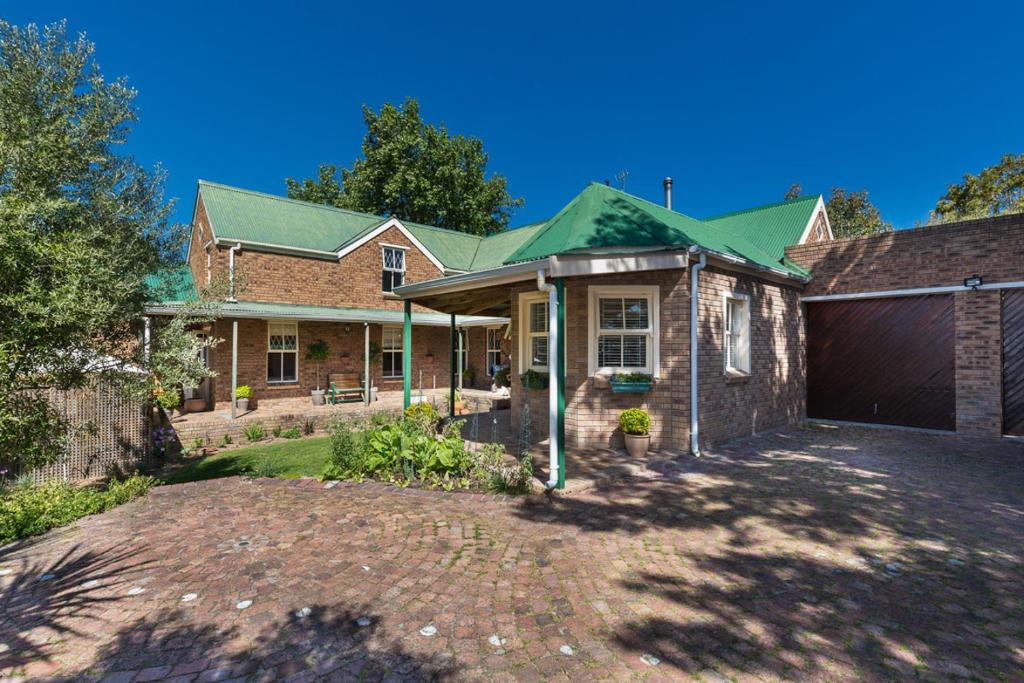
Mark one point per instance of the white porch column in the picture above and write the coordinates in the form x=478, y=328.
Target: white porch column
x=461, y=369
x=366, y=363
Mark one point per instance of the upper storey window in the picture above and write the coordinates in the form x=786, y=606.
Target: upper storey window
x=394, y=268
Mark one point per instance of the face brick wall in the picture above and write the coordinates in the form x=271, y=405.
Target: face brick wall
x=430, y=355
x=937, y=256
x=772, y=395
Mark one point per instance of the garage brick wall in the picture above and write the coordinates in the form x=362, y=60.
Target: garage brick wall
x=772, y=395
x=938, y=256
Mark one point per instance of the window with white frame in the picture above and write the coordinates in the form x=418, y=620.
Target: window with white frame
x=393, y=274
x=282, y=353
x=391, y=350
x=493, y=349
x=533, y=335
x=737, y=333
x=623, y=329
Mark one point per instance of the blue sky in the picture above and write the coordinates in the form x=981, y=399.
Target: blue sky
x=734, y=102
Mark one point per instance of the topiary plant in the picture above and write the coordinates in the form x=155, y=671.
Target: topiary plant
x=318, y=352
x=635, y=421
x=244, y=391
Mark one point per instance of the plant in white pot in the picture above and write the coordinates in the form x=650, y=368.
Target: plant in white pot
x=242, y=396
x=636, y=428
x=318, y=353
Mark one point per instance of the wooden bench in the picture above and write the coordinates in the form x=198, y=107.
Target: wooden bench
x=344, y=387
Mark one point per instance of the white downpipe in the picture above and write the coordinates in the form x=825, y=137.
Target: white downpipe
x=694, y=375
x=231, y=271
x=553, y=361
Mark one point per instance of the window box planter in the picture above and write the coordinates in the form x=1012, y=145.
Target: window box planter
x=532, y=379
x=631, y=384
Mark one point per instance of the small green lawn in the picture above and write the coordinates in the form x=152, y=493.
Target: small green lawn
x=290, y=458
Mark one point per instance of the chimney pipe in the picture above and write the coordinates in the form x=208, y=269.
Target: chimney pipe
x=667, y=182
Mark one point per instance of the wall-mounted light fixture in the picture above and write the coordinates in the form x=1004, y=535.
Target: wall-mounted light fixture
x=348, y=328
x=973, y=282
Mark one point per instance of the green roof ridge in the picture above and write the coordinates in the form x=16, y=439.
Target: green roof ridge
x=763, y=207
x=301, y=202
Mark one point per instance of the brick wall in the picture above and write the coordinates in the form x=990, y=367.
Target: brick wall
x=774, y=394
x=933, y=257
x=941, y=255
x=431, y=348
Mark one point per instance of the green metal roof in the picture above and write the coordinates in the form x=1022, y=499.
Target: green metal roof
x=493, y=250
x=602, y=219
x=772, y=227
x=172, y=285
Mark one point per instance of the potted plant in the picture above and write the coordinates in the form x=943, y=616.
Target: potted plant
x=532, y=379
x=242, y=396
x=460, y=405
x=636, y=428
x=468, y=375
x=168, y=399
x=501, y=377
x=318, y=353
x=631, y=382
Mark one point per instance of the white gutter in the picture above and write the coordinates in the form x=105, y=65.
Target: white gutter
x=916, y=291
x=516, y=272
x=553, y=361
x=231, y=271
x=694, y=375
x=280, y=249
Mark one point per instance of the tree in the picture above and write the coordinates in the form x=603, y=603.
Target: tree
x=794, y=191
x=852, y=214
x=416, y=172
x=81, y=227
x=996, y=190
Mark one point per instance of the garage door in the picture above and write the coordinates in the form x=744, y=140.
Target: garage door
x=886, y=361
x=1013, y=362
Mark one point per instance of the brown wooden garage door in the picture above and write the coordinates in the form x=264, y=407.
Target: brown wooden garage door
x=886, y=361
x=1013, y=362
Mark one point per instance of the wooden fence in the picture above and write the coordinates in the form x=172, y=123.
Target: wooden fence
x=110, y=433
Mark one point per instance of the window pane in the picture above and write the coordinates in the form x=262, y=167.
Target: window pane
x=611, y=314
x=635, y=314
x=385, y=282
x=539, y=351
x=539, y=317
x=392, y=339
x=288, y=367
x=276, y=342
x=289, y=342
x=609, y=351
x=273, y=367
x=397, y=279
x=634, y=351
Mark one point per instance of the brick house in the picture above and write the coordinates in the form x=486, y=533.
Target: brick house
x=751, y=320
x=302, y=273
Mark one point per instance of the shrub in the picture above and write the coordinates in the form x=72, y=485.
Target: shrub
x=635, y=421
x=277, y=430
x=264, y=467
x=198, y=443
x=633, y=377
x=26, y=510
x=468, y=375
x=422, y=417
x=491, y=471
x=226, y=441
x=347, y=451
x=308, y=426
x=532, y=379
x=502, y=378
x=254, y=432
x=244, y=391
x=169, y=399
x=292, y=433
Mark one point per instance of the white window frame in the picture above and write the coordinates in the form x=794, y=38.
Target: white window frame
x=271, y=324
x=492, y=335
x=525, y=336
x=730, y=364
x=385, y=268
x=385, y=349
x=653, y=332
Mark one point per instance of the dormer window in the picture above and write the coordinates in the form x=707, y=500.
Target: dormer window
x=394, y=268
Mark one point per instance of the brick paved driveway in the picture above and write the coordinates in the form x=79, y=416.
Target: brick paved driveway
x=816, y=554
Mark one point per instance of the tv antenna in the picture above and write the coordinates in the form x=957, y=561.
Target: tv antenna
x=621, y=178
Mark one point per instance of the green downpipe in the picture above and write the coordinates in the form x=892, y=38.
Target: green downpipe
x=407, y=355
x=451, y=379
x=560, y=292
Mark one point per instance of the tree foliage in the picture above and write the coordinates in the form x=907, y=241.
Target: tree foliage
x=996, y=190
x=81, y=227
x=417, y=172
x=794, y=191
x=851, y=214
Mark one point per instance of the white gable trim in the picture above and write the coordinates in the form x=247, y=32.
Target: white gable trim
x=380, y=230
x=819, y=207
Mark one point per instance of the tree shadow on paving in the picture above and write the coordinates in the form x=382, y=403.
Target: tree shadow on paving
x=54, y=598
x=320, y=641
x=824, y=554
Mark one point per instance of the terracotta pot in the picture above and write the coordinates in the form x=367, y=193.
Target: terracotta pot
x=637, y=445
x=460, y=407
x=195, y=405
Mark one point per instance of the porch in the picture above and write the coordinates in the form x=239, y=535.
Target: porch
x=212, y=426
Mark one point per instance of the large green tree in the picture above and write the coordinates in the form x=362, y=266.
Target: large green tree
x=851, y=214
x=417, y=172
x=996, y=190
x=81, y=226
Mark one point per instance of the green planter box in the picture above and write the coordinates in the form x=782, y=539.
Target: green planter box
x=630, y=387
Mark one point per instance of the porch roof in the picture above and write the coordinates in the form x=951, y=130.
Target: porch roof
x=345, y=314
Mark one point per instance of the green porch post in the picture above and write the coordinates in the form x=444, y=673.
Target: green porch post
x=451, y=379
x=560, y=365
x=407, y=355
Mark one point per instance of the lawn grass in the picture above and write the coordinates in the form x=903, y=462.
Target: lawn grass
x=290, y=459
